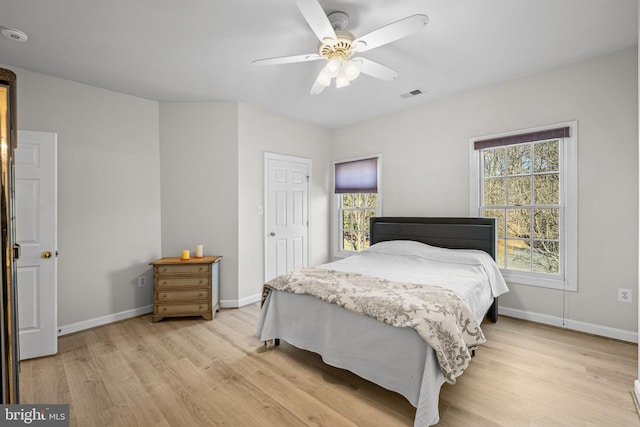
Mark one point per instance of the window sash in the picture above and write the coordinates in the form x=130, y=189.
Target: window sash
x=506, y=241
x=363, y=231
x=503, y=240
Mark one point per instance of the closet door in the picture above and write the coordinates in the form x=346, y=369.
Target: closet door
x=287, y=215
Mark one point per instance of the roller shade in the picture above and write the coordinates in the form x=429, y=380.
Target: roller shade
x=522, y=138
x=358, y=176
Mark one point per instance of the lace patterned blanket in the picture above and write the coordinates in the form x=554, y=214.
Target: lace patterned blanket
x=440, y=316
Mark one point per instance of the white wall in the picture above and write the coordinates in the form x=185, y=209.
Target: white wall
x=199, y=164
x=108, y=191
x=425, y=170
x=212, y=163
x=261, y=132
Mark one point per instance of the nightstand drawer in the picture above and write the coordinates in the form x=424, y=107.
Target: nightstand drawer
x=186, y=309
x=169, y=270
x=182, y=282
x=191, y=295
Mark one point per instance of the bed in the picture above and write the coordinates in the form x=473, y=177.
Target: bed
x=404, y=250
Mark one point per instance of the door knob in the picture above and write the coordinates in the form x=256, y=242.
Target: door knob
x=272, y=234
x=45, y=255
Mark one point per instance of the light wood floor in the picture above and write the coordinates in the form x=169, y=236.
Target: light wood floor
x=190, y=372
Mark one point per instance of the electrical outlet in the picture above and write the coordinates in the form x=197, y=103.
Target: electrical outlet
x=625, y=295
x=142, y=281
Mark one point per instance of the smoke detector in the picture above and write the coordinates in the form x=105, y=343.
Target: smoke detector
x=14, y=34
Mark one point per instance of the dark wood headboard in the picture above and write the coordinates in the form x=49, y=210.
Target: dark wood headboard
x=454, y=233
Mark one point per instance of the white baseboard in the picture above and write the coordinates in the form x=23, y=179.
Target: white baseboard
x=636, y=393
x=235, y=303
x=99, y=321
x=110, y=318
x=590, y=328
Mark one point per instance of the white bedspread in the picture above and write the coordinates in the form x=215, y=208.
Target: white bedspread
x=394, y=358
x=471, y=273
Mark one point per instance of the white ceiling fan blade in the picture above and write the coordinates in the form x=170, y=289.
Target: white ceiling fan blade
x=374, y=69
x=287, y=59
x=391, y=32
x=317, y=20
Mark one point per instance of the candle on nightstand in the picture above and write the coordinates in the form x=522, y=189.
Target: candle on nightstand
x=199, y=251
x=185, y=254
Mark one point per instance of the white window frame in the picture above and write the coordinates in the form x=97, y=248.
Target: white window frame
x=338, y=252
x=568, y=277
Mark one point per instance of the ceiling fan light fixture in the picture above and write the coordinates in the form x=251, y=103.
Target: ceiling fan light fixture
x=324, y=78
x=342, y=81
x=344, y=71
x=333, y=66
x=351, y=70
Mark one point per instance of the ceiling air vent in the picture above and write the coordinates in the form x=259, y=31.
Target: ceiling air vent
x=412, y=93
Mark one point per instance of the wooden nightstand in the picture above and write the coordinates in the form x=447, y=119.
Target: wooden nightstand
x=185, y=287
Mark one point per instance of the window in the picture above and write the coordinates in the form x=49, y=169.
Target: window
x=527, y=181
x=358, y=199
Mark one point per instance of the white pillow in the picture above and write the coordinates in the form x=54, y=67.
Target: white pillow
x=454, y=256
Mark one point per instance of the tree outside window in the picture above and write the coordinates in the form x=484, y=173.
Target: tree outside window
x=521, y=189
x=356, y=210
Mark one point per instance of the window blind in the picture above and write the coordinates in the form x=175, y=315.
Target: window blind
x=358, y=176
x=521, y=138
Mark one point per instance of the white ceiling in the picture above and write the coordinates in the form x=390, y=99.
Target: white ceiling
x=201, y=50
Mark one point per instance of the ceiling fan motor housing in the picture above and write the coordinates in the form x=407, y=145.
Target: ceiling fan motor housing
x=339, y=20
x=341, y=49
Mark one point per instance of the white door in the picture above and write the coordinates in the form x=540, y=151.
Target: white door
x=287, y=216
x=36, y=207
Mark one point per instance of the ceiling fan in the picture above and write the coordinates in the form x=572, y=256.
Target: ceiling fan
x=339, y=47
